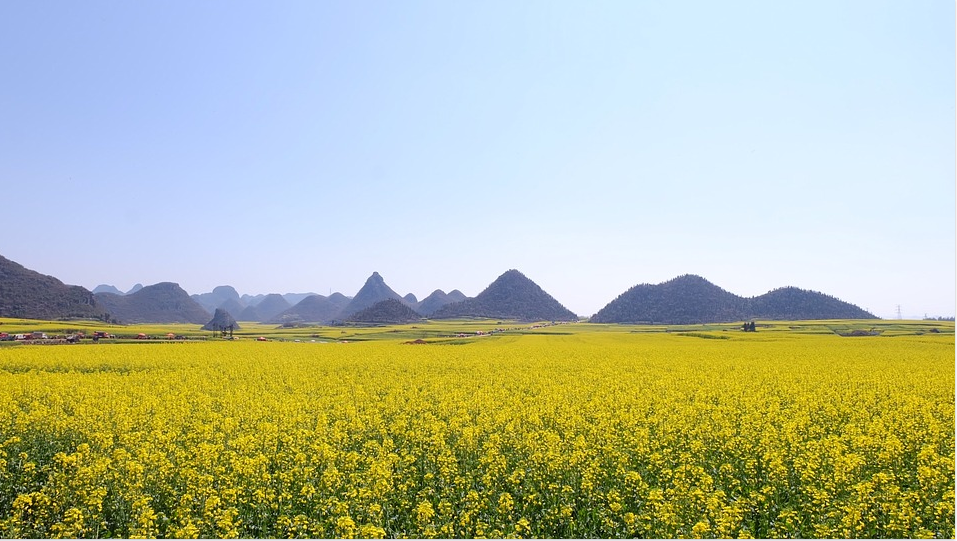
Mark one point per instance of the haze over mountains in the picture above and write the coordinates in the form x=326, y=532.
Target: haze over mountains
x=266, y=309
x=103, y=288
x=686, y=299
x=337, y=307
x=316, y=309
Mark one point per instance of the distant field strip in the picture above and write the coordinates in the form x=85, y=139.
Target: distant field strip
x=590, y=434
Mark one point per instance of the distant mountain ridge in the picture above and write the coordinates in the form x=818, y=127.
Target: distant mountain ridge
x=164, y=302
x=262, y=307
x=291, y=298
x=436, y=300
x=312, y=309
x=230, y=305
x=215, y=298
x=690, y=299
x=338, y=307
x=271, y=306
x=104, y=288
x=685, y=299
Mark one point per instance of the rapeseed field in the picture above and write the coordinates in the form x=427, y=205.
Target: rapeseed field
x=589, y=434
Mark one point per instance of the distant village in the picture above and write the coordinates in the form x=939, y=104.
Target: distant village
x=42, y=338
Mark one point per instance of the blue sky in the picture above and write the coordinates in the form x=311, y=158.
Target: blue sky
x=300, y=146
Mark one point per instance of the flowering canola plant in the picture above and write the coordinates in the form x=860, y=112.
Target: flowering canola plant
x=592, y=434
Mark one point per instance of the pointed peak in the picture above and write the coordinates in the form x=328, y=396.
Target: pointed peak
x=511, y=296
x=374, y=280
x=512, y=276
x=374, y=290
x=222, y=320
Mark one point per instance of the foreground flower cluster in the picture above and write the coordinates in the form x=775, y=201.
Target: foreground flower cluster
x=603, y=434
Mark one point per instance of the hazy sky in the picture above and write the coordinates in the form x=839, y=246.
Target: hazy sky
x=300, y=146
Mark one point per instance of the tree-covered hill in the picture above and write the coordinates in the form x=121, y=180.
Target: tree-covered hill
x=691, y=299
x=26, y=293
x=685, y=299
x=389, y=311
x=373, y=291
x=222, y=320
x=164, y=302
x=794, y=303
x=511, y=296
x=436, y=300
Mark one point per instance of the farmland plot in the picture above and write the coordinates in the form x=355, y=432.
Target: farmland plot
x=587, y=434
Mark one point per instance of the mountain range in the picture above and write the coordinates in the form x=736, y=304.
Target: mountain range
x=164, y=302
x=686, y=299
x=437, y=299
x=337, y=307
x=312, y=309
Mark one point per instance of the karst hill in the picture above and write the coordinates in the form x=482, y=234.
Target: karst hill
x=436, y=300
x=222, y=320
x=511, y=296
x=312, y=309
x=687, y=299
x=28, y=294
x=164, y=302
x=389, y=311
x=691, y=299
x=373, y=291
